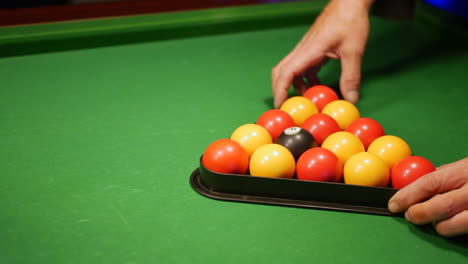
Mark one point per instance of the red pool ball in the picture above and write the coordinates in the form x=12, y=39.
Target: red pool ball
x=226, y=156
x=319, y=164
x=321, y=95
x=275, y=121
x=366, y=129
x=410, y=169
x=320, y=126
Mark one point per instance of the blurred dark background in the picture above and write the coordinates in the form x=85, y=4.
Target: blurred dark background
x=37, y=3
x=459, y=7
x=19, y=12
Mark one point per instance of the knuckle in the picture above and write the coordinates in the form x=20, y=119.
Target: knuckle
x=430, y=185
x=449, y=205
x=278, y=71
x=283, y=73
x=350, y=51
x=441, y=206
x=352, y=79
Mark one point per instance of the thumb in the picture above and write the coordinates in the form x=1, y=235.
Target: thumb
x=350, y=77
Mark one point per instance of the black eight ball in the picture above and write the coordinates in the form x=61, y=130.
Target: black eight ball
x=297, y=140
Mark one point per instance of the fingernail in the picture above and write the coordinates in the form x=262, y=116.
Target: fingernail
x=352, y=96
x=394, y=207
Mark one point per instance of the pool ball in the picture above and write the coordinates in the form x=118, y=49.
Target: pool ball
x=320, y=126
x=321, y=95
x=226, y=156
x=275, y=121
x=342, y=111
x=391, y=149
x=319, y=164
x=272, y=160
x=410, y=169
x=296, y=140
x=366, y=129
x=299, y=108
x=343, y=144
x=366, y=169
x=251, y=136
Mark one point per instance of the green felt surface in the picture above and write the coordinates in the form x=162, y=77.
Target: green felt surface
x=98, y=141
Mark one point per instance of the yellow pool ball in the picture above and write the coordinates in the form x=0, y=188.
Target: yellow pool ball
x=299, y=108
x=366, y=169
x=343, y=144
x=251, y=137
x=391, y=149
x=342, y=111
x=272, y=160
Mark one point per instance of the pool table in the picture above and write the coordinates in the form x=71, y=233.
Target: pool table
x=102, y=122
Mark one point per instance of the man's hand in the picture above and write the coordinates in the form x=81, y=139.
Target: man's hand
x=440, y=197
x=340, y=32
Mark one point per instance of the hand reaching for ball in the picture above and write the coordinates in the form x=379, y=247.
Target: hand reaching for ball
x=440, y=197
x=340, y=32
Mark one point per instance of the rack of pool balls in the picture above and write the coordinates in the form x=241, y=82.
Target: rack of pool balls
x=317, y=137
